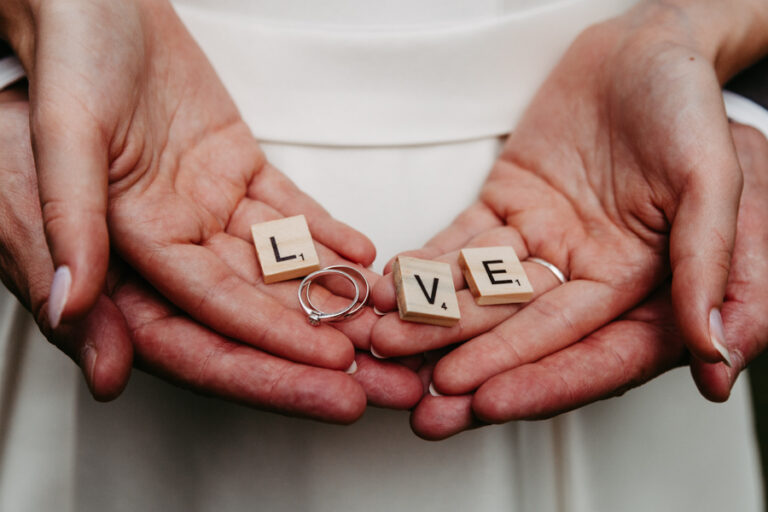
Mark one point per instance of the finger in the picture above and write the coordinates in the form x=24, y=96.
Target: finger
x=333, y=295
x=745, y=323
x=72, y=165
x=276, y=190
x=101, y=346
x=187, y=353
x=199, y=282
x=701, y=244
x=439, y=417
x=619, y=356
x=99, y=342
x=547, y=324
x=384, y=294
x=392, y=337
x=251, y=212
x=387, y=384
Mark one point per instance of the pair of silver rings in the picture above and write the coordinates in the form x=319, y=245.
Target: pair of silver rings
x=316, y=315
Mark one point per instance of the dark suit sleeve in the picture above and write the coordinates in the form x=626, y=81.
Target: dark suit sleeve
x=752, y=83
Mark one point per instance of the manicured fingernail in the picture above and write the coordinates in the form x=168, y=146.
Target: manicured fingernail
x=376, y=354
x=378, y=311
x=433, y=391
x=62, y=281
x=88, y=363
x=352, y=368
x=717, y=335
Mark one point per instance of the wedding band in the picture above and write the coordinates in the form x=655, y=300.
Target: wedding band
x=316, y=315
x=558, y=273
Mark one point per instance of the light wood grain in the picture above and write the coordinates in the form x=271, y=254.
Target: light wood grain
x=495, y=275
x=285, y=249
x=425, y=292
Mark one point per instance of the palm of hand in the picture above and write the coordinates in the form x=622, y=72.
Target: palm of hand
x=186, y=180
x=596, y=178
x=634, y=348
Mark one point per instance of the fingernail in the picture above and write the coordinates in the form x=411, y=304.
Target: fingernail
x=62, y=281
x=88, y=363
x=433, y=391
x=376, y=354
x=352, y=368
x=717, y=335
x=378, y=311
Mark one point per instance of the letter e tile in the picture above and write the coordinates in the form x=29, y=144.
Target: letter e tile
x=495, y=275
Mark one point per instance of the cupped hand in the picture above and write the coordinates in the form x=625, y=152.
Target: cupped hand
x=136, y=141
x=638, y=346
x=621, y=172
x=131, y=323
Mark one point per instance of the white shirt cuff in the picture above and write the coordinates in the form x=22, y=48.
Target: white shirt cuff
x=10, y=71
x=745, y=111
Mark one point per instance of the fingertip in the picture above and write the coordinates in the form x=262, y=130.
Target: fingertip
x=453, y=374
x=715, y=381
x=700, y=324
x=384, y=294
x=358, y=248
x=106, y=354
x=81, y=271
x=336, y=352
x=438, y=418
x=107, y=374
x=712, y=380
x=349, y=402
x=345, y=240
x=388, y=384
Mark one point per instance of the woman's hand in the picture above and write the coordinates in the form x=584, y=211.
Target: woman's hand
x=132, y=324
x=638, y=346
x=137, y=141
x=621, y=172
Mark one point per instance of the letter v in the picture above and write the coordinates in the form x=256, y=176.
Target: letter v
x=430, y=297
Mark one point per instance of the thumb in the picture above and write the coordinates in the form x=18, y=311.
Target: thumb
x=100, y=344
x=72, y=165
x=701, y=245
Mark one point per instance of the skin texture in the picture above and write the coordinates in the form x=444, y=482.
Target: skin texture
x=132, y=323
x=634, y=348
x=139, y=150
x=621, y=173
x=625, y=156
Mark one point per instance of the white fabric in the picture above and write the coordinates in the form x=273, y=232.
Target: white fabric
x=390, y=87
x=368, y=14
x=660, y=447
x=10, y=71
x=746, y=111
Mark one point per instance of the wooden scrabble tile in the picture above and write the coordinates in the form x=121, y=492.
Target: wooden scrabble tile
x=425, y=292
x=495, y=275
x=285, y=249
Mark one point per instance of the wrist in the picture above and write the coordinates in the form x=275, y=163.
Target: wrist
x=730, y=35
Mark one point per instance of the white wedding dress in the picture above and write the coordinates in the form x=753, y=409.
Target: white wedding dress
x=352, y=98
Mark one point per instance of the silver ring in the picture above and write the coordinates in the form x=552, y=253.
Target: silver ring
x=558, y=273
x=360, y=302
x=316, y=315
